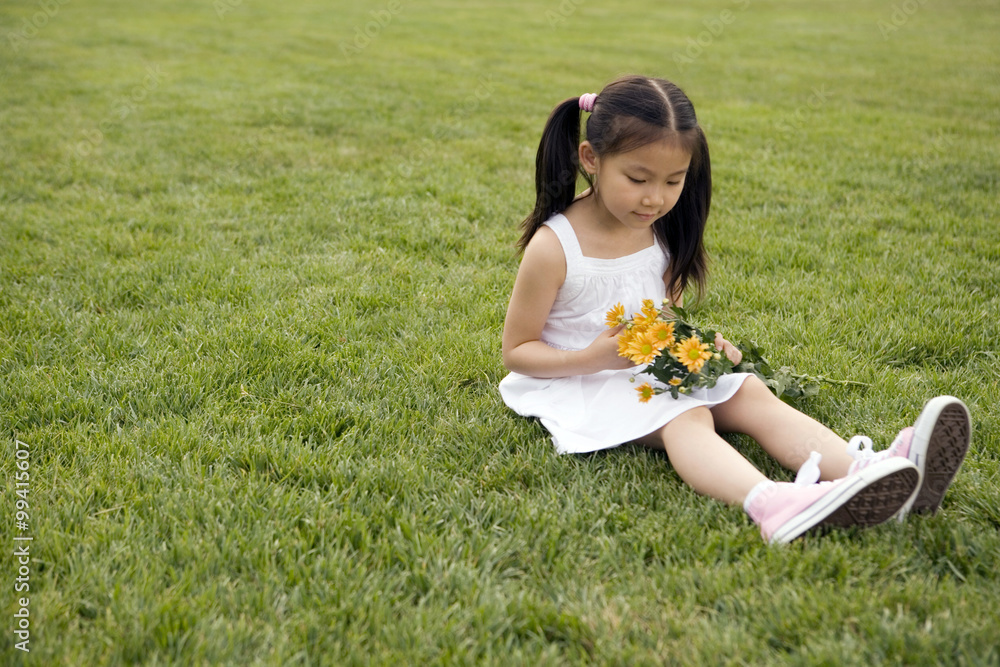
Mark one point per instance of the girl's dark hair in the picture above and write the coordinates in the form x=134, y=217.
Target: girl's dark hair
x=629, y=113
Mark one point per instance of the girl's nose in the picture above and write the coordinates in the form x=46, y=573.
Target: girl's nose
x=654, y=198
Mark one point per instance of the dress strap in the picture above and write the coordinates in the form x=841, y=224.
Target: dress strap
x=559, y=223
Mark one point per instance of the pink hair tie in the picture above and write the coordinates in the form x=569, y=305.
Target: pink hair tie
x=587, y=101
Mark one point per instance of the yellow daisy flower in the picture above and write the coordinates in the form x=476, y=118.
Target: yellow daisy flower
x=649, y=310
x=625, y=339
x=663, y=334
x=675, y=381
x=615, y=316
x=692, y=353
x=623, y=344
x=645, y=392
x=642, y=348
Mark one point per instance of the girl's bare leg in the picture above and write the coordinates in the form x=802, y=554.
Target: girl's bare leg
x=706, y=462
x=784, y=432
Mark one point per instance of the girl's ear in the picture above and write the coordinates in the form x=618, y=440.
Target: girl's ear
x=588, y=159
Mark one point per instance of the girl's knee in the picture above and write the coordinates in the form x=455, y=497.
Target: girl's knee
x=680, y=429
x=681, y=426
x=699, y=416
x=755, y=387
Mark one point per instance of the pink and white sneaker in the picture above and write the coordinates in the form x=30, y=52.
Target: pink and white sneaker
x=787, y=510
x=937, y=444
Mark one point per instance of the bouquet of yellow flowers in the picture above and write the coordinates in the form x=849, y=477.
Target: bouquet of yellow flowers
x=684, y=357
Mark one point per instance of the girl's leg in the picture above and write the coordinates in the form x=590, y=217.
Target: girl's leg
x=784, y=511
x=784, y=432
x=706, y=462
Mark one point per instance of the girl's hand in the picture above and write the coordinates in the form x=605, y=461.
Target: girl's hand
x=728, y=349
x=604, y=351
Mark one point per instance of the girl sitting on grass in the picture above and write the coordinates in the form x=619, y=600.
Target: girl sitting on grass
x=636, y=233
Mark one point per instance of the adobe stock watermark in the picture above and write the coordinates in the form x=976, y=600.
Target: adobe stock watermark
x=475, y=99
x=797, y=119
x=223, y=7
x=787, y=124
x=21, y=489
x=901, y=13
x=566, y=8
x=483, y=92
x=937, y=148
x=365, y=34
x=47, y=10
x=252, y=144
x=121, y=109
x=714, y=27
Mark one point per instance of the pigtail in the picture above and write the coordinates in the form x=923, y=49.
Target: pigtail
x=682, y=230
x=556, y=166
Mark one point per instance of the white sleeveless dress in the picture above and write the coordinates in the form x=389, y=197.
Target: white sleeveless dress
x=585, y=413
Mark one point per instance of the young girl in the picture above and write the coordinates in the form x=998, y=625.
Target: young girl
x=636, y=233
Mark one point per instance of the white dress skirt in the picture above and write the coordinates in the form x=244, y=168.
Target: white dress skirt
x=586, y=413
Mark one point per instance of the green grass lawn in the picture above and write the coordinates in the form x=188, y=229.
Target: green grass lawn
x=254, y=261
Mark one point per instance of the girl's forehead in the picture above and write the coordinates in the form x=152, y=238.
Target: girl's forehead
x=657, y=156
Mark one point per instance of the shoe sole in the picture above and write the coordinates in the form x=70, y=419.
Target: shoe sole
x=868, y=498
x=941, y=439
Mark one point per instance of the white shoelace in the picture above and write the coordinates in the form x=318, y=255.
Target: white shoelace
x=860, y=447
x=809, y=471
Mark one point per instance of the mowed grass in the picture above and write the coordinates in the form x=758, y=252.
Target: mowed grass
x=253, y=273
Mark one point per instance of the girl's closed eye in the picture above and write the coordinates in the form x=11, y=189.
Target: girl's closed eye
x=642, y=180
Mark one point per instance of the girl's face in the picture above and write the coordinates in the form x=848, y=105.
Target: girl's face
x=640, y=186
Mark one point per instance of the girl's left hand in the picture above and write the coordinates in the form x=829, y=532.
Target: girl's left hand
x=728, y=349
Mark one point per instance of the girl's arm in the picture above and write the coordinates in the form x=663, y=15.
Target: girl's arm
x=541, y=274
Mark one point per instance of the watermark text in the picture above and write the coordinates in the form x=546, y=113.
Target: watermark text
x=22, y=546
